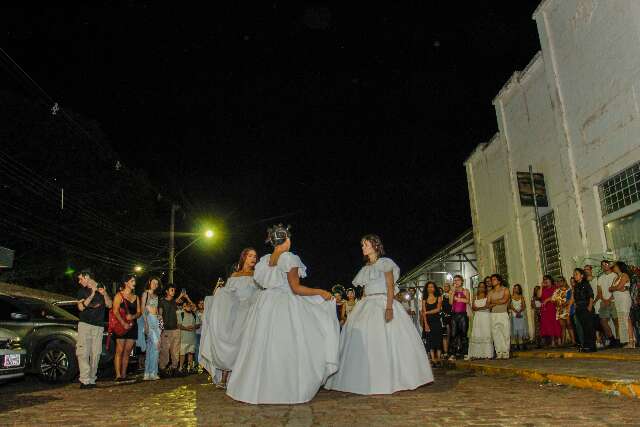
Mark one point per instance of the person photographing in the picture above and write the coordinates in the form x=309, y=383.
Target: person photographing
x=92, y=301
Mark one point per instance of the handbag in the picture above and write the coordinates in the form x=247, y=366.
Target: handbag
x=115, y=327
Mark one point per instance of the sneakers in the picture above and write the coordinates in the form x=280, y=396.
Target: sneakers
x=146, y=377
x=86, y=386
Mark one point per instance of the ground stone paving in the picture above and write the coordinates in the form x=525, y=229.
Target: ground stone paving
x=457, y=398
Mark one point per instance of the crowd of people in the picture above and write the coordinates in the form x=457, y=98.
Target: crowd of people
x=164, y=328
x=264, y=337
x=586, y=312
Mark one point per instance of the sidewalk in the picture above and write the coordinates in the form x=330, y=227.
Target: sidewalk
x=615, y=371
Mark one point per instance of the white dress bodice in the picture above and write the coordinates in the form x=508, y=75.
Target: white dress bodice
x=275, y=277
x=243, y=287
x=371, y=276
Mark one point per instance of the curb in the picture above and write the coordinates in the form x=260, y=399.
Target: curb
x=576, y=355
x=629, y=389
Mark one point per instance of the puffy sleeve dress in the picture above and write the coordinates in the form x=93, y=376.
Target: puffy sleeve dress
x=290, y=343
x=225, y=318
x=379, y=357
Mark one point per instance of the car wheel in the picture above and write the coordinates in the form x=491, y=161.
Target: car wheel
x=57, y=363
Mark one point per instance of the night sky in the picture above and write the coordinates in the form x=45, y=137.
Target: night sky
x=349, y=119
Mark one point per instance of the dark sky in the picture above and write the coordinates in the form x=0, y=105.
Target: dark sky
x=351, y=118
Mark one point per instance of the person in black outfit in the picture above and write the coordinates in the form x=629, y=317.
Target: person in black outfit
x=445, y=317
x=583, y=299
x=93, y=301
x=431, y=321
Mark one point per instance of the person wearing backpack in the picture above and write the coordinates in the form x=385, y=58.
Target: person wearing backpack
x=187, y=324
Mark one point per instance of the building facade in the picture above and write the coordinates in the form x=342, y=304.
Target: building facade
x=573, y=114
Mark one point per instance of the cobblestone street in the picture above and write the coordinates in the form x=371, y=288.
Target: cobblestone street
x=456, y=398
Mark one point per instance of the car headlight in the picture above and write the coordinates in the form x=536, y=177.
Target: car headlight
x=15, y=343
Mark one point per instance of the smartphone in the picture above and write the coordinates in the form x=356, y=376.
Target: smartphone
x=184, y=291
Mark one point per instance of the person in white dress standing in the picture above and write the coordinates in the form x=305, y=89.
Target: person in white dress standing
x=381, y=351
x=481, y=343
x=290, y=343
x=227, y=315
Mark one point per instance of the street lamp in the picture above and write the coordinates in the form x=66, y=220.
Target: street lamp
x=137, y=268
x=208, y=234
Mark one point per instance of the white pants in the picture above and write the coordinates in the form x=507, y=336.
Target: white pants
x=88, y=350
x=501, y=334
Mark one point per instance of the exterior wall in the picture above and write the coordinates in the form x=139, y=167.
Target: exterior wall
x=573, y=114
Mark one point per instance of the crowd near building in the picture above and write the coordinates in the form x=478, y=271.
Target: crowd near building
x=571, y=121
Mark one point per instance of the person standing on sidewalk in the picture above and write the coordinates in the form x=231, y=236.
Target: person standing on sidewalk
x=583, y=299
x=597, y=293
x=518, y=308
x=459, y=299
x=498, y=302
x=607, y=303
x=92, y=300
x=170, y=337
x=550, y=330
x=620, y=289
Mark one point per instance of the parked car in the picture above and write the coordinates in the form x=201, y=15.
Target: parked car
x=48, y=334
x=12, y=355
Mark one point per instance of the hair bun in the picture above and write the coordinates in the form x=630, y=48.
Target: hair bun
x=278, y=234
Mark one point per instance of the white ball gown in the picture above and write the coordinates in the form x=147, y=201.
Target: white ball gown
x=290, y=343
x=224, y=322
x=378, y=357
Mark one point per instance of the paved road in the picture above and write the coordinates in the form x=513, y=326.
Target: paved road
x=456, y=398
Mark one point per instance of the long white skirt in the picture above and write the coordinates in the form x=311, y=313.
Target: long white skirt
x=623, y=307
x=226, y=320
x=501, y=334
x=377, y=357
x=481, y=344
x=288, y=350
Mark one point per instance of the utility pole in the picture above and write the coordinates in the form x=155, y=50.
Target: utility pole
x=172, y=243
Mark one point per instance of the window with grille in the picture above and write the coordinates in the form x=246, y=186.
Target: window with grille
x=500, y=258
x=620, y=190
x=549, y=241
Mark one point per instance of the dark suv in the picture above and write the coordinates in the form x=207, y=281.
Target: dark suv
x=49, y=335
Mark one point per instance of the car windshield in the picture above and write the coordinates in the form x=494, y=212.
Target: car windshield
x=44, y=310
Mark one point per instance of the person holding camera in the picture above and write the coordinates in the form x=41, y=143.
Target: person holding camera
x=92, y=300
x=170, y=337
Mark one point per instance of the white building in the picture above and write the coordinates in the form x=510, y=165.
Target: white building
x=573, y=114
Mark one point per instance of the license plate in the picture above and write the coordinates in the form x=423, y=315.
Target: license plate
x=11, y=360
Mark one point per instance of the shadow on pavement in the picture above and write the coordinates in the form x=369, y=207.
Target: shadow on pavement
x=17, y=394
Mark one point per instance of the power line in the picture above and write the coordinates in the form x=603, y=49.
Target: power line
x=30, y=177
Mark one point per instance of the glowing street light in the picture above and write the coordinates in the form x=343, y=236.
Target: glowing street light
x=137, y=268
x=208, y=234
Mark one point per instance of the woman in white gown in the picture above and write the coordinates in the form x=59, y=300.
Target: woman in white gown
x=290, y=343
x=481, y=343
x=226, y=314
x=381, y=351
